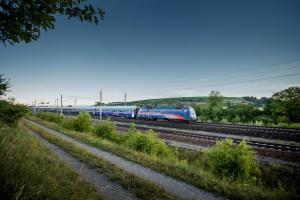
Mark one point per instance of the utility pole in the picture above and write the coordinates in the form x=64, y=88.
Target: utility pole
x=34, y=106
x=125, y=96
x=61, y=104
x=100, y=103
x=75, y=102
x=57, y=105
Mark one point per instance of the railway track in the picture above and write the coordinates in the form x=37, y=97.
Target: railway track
x=260, y=144
x=285, y=151
x=241, y=130
x=268, y=147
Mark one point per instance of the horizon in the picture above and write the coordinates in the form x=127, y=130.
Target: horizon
x=42, y=103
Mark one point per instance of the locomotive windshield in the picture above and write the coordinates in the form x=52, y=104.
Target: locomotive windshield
x=192, y=112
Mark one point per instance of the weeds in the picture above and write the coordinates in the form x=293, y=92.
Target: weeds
x=51, y=117
x=30, y=171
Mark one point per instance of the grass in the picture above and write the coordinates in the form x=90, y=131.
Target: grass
x=193, y=168
x=143, y=189
x=29, y=170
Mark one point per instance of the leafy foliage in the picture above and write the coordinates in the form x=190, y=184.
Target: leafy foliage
x=10, y=113
x=22, y=20
x=82, y=122
x=244, y=113
x=234, y=161
x=148, y=142
x=4, y=85
x=285, y=103
x=283, y=109
x=106, y=130
x=259, y=102
x=212, y=111
x=215, y=99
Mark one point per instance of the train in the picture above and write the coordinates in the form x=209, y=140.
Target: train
x=179, y=114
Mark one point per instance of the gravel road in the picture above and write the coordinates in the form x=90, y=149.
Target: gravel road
x=107, y=189
x=175, y=187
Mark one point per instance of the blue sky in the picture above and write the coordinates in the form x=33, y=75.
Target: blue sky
x=161, y=48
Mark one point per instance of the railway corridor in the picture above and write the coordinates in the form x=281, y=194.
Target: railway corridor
x=177, y=188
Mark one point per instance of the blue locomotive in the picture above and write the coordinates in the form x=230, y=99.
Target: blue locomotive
x=185, y=113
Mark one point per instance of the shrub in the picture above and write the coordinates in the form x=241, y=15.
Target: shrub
x=67, y=123
x=149, y=143
x=82, y=122
x=266, y=120
x=107, y=130
x=51, y=117
x=10, y=113
x=235, y=161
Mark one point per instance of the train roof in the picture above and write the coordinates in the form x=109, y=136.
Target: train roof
x=103, y=107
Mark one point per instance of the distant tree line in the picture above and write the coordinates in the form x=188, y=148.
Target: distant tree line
x=258, y=102
x=282, y=107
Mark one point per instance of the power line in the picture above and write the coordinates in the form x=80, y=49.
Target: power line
x=194, y=83
x=242, y=70
x=225, y=83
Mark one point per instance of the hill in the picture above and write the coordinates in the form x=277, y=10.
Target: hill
x=162, y=102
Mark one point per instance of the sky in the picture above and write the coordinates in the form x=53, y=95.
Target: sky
x=161, y=48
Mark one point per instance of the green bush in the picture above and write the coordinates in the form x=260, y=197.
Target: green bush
x=229, y=160
x=106, y=130
x=51, y=117
x=149, y=143
x=67, y=123
x=292, y=125
x=82, y=122
x=10, y=113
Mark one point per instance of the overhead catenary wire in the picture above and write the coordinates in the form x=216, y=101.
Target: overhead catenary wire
x=254, y=68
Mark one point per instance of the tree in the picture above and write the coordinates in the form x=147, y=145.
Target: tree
x=215, y=106
x=242, y=113
x=215, y=99
x=10, y=112
x=285, y=105
x=4, y=85
x=23, y=20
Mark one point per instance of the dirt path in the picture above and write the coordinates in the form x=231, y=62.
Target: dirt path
x=175, y=187
x=108, y=189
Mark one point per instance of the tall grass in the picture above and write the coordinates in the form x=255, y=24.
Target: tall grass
x=28, y=170
x=51, y=117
